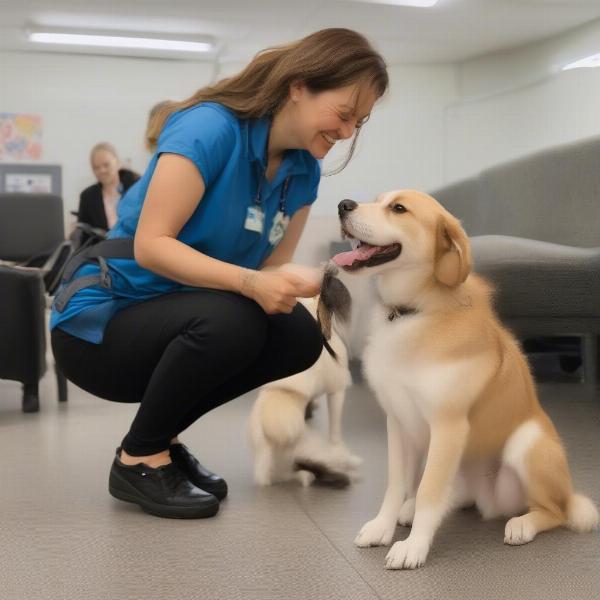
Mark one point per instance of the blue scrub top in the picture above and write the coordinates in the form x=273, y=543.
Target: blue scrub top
x=230, y=154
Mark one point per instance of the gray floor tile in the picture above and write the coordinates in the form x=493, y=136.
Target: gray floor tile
x=468, y=559
x=63, y=536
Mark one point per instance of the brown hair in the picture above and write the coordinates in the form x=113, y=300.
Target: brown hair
x=325, y=60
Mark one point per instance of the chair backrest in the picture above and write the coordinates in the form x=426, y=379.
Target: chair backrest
x=30, y=224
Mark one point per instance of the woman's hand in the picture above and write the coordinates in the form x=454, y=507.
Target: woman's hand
x=276, y=291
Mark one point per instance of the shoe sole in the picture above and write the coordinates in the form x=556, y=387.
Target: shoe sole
x=123, y=490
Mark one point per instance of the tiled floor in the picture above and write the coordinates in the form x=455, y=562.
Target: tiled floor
x=63, y=537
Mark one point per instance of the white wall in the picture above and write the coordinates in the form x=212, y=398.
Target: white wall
x=85, y=99
x=515, y=103
x=402, y=144
x=437, y=124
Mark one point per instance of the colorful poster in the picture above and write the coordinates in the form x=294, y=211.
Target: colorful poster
x=20, y=137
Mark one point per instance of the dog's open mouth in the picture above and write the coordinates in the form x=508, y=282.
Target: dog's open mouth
x=365, y=255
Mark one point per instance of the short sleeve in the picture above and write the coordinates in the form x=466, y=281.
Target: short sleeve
x=205, y=135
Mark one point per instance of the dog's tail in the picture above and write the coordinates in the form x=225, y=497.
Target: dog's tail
x=582, y=514
x=282, y=416
x=334, y=300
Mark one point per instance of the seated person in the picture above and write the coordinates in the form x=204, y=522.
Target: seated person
x=98, y=203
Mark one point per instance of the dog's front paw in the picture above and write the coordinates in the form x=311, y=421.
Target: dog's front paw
x=377, y=532
x=407, y=554
x=407, y=512
x=519, y=530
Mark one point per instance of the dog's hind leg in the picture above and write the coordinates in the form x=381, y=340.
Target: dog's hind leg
x=335, y=405
x=483, y=478
x=339, y=454
x=462, y=492
x=263, y=464
x=541, y=465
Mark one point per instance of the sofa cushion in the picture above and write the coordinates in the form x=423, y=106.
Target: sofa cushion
x=539, y=279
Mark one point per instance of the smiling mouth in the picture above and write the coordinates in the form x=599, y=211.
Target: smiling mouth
x=365, y=255
x=331, y=141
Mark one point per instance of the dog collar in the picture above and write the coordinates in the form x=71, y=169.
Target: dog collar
x=400, y=311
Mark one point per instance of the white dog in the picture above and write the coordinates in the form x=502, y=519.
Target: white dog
x=284, y=447
x=464, y=422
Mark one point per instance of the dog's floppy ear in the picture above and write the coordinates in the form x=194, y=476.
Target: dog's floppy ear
x=453, y=260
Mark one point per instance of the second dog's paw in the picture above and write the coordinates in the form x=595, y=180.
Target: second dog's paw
x=407, y=513
x=305, y=478
x=342, y=456
x=519, y=530
x=407, y=554
x=376, y=532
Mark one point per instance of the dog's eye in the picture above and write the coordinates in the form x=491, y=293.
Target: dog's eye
x=399, y=208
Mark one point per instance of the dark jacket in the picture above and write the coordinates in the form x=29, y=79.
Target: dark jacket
x=91, y=205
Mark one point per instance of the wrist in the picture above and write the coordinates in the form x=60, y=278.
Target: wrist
x=247, y=282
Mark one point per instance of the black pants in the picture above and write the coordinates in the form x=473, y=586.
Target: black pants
x=181, y=355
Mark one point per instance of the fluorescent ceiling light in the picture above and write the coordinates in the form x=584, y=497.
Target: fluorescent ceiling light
x=589, y=61
x=419, y=3
x=116, y=41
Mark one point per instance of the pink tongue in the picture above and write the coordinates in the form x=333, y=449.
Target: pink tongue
x=345, y=259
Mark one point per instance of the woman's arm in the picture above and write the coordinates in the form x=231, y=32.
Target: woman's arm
x=175, y=191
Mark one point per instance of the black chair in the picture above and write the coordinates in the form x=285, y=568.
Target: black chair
x=33, y=251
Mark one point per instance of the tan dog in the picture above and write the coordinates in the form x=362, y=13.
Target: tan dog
x=463, y=419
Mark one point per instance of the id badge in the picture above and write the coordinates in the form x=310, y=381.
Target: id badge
x=280, y=223
x=255, y=219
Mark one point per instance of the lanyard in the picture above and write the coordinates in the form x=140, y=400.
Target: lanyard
x=282, y=195
x=255, y=217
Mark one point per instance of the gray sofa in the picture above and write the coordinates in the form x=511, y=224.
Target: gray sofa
x=534, y=225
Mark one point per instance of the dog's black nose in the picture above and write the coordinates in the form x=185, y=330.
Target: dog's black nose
x=346, y=206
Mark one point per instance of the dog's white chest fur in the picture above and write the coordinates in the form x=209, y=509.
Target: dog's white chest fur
x=403, y=387
x=406, y=385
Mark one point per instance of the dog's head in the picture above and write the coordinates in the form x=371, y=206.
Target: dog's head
x=404, y=228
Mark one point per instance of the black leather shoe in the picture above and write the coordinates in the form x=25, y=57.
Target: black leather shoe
x=200, y=476
x=164, y=491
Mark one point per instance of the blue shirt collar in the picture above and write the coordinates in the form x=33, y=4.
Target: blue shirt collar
x=257, y=136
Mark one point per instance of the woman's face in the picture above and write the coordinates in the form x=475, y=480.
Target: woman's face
x=105, y=166
x=323, y=118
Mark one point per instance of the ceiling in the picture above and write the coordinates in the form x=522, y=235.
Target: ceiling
x=451, y=31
